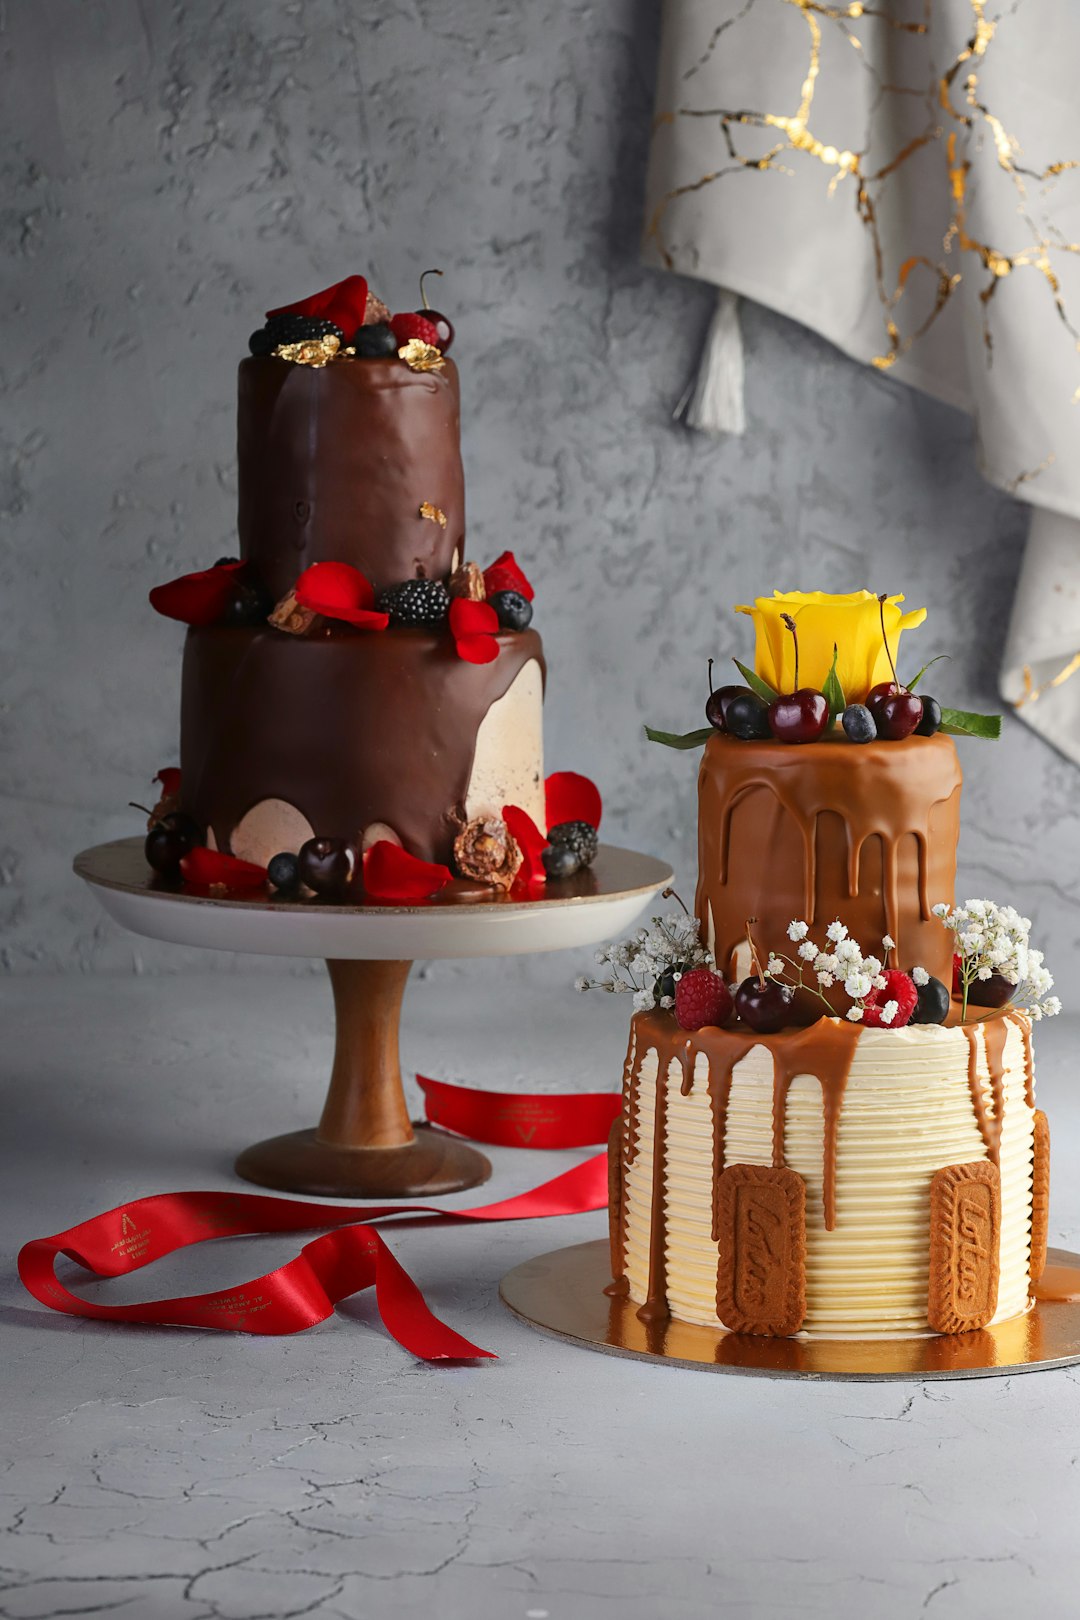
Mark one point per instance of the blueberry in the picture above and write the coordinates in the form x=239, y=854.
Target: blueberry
x=284, y=871
x=747, y=717
x=858, y=723
x=931, y=718
x=514, y=610
x=560, y=861
x=933, y=1004
x=247, y=605
x=372, y=342
x=261, y=342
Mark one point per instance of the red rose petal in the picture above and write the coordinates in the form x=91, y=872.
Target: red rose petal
x=505, y=575
x=339, y=591
x=394, y=877
x=202, y=867
x=170, y=781
x=343, y=303
x=531, y=841
x=197, y=599
x=473, y=626
x=570, y=797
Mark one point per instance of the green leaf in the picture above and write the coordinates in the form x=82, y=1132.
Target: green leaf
x=688, y=739
x=832, y=689
x=962, y=723
x=755, y=682
x=911, y=685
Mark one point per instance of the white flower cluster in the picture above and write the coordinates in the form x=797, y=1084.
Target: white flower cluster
x=993, y=940
x=839, y=961
x=651, y=963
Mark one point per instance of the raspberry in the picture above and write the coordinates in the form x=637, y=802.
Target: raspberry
x=405, y=327
x=702, y=997
x=578, y=836
x=418, y=602
x=899, y=987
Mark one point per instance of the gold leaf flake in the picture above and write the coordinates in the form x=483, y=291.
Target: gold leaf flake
x=434, y=513
x=312, y=352
x=421, y=356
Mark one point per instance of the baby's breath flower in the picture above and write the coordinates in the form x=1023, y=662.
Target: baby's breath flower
x=836, y=931
x=775, y=966
x=855, y=1014
x=920, y=976
x=888, y=942
x=808, y=950
x=797, y=930
x=889, y=1011
x=581, y=984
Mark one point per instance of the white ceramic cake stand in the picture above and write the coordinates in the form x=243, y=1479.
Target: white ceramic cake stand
x=365, y=1146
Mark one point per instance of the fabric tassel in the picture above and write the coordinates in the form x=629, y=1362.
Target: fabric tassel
x=714, y=402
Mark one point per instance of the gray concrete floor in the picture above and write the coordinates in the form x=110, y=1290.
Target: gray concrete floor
x=167, y=1473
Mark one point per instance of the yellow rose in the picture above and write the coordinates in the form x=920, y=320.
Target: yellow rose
x=852, y=622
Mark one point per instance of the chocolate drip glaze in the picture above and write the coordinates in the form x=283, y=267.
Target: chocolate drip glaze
x=350, y=728
x=866, y=834
x=334, y=462
x=825, y=1050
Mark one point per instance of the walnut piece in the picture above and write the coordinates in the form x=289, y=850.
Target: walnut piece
x=291, y=617
x=485, y=850
x=468, y=581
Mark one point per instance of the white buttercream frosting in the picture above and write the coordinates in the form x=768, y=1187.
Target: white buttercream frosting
x=907, y=1112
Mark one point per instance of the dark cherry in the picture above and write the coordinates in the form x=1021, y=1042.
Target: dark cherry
x=763, y=1004
x=933, y=1004
x=992, y=992
x=747, y=717
x=898, y=715
x=330, y=866
x=799, y=717
x=169, y=840
x=931, y=717
x=720, y=700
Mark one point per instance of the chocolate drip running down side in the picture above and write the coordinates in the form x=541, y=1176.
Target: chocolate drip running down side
x=824, y=1051
x=350, y=728
x=866, y=834
x=334, y=462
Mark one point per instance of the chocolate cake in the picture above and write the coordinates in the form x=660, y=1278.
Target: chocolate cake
x=352, y=678
x=828, y=1123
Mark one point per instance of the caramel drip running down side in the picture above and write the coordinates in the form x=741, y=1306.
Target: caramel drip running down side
x=825, y=1051
x=629, y=1143
x=1023, y=1024
x=994, y=1032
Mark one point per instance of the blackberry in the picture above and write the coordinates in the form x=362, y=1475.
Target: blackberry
x=418, y=603
x=577, y=836
x=514, y=610
x=247, y=605
x=292, y=329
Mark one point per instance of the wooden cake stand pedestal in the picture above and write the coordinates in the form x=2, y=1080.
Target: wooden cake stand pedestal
x=365, y=1145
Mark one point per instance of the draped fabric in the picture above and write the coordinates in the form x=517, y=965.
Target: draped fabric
x=905, y=180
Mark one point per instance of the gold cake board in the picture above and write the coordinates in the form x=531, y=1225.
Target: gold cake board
x=562, y=1293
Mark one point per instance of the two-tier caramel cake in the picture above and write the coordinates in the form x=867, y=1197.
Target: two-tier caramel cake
x=836, y=1146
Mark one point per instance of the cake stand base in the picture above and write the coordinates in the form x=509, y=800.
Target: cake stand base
x=563, y=1294
x=426, y=1167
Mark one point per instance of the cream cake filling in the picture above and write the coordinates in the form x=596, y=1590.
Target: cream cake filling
x=907, y=1112
x=508, y=765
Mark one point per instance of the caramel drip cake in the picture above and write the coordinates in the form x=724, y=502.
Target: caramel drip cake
x=828, y=1124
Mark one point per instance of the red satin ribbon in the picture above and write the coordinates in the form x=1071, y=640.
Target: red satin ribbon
x=342, y=1261
x=521, y=1119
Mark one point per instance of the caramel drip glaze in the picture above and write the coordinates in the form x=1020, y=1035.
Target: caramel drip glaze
x=833, y=829
x=824, y=1050
x=995, y=1032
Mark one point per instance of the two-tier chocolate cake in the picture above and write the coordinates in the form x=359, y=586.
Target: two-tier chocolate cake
x=354, y=686
x=818, y=1136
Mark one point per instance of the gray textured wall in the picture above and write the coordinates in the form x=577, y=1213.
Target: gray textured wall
x=171, y=169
